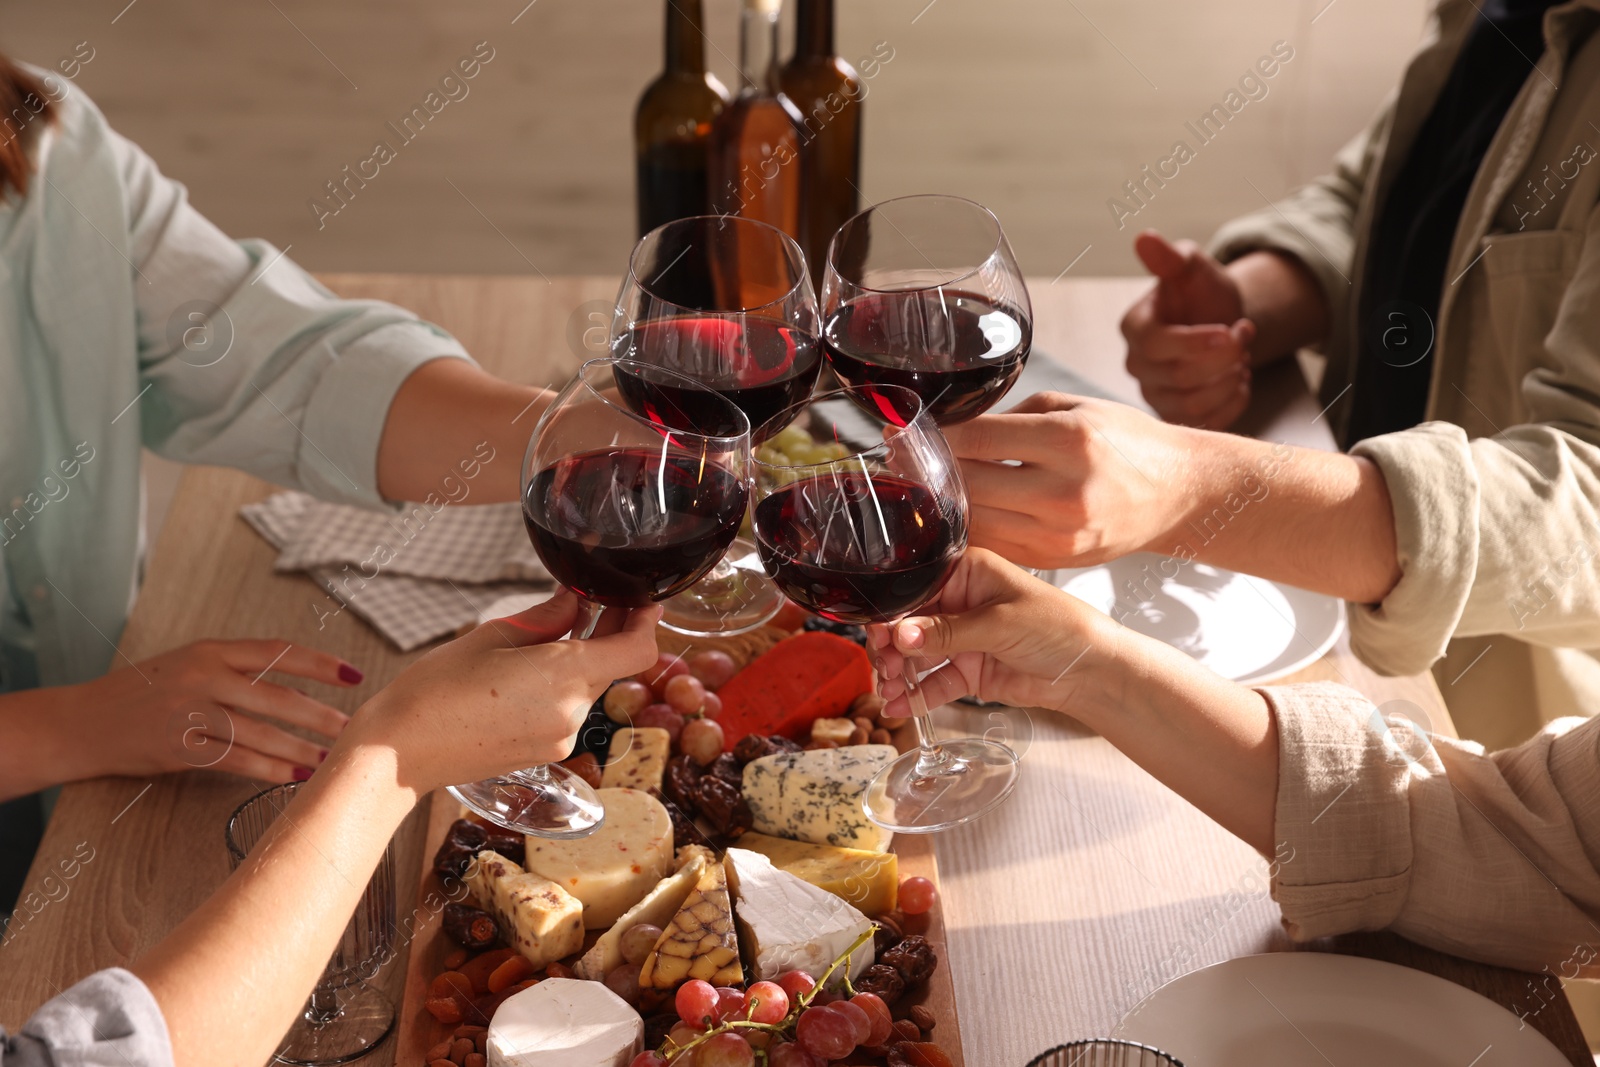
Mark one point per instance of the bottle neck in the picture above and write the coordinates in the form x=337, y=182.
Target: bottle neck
x=758, y=47
x=686, y=48
x=813, y=38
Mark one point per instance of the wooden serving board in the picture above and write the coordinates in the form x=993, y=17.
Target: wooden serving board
x=417, y=1031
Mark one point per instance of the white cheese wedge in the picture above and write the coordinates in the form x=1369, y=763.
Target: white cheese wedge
x=536, y=916
x=815, y=795
x=788, y=924
x=565, y=1022
x=657, y=909
x=613, y=868
x=637, y=758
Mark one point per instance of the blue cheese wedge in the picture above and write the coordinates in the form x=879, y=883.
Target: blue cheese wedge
x=656, y=909
x=613, y=868
x=815, y=795
x=637, y=758
x=536, y=916
x=565, y=1022
x=788, y=924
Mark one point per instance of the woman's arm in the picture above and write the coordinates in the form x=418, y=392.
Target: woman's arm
x=231, y=977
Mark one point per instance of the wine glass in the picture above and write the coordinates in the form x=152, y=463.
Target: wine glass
x=345, y=1018
x=924, y=292
x=872, y=537
x=726, y=301
x=627, y=503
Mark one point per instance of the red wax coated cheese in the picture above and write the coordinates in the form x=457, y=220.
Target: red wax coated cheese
x=801, y=679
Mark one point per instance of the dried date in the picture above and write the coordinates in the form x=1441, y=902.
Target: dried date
x=682, y=774
x=728, y=769
x=508, y=843
x=684, y=830
x=882, y=980
x=469, y=927
x=461, y=845
x=723, y=805
x=914, y=958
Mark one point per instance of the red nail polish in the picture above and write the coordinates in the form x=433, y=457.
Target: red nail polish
x=349, y=675
x=302, y=774
x=322, y=755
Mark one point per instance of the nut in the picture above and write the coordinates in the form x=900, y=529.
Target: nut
x=867, y=705
x=880, y=736
x=859, y=736
x=922, y=1015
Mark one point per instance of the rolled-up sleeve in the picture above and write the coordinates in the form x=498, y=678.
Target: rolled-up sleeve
x=248, y=361
x=107, y=1020
x=1491, y=857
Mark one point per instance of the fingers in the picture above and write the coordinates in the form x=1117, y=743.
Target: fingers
x=1213, y=407
x=936, y=637
x=274, y=745
x=940, y=687
x=1026, y=432
x=248, y=763
x=631, y=649
x=535, y=626
x=1186, y=356
x=1161, y=257
x=286, y=705
x=256, y=657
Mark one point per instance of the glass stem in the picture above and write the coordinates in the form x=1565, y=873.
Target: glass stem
x=323, y=1007
x=930, y=757
x=589, y=614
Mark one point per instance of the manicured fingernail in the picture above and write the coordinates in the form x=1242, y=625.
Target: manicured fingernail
x=349, y=675
x=322, y=755
x=302, y=774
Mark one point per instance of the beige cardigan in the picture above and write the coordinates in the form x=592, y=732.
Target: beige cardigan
x=1497, y=498
x=1492, y=857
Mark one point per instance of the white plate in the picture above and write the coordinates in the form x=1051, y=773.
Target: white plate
x=1247, y=629
x=1288, y=1009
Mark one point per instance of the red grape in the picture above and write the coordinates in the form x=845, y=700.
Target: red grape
x=725, y=1050
x=917, y=895
x=648, y=1059
x=713, y=668
x=855, y=1013
x=681, y=1034
x=796, y=983
x=702, y=739
x=624, y=982
x=685, y=693
x=624, y=700
x=770, y=1002
x=824, y=1032
x=711, y=706
x=637, y=941
x=878, y=1012
x=787, y=1055
x=730, y=1003
x=696, y=1002
x=666, y=668
x=662, y=717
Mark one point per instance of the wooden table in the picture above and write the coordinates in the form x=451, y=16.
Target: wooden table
x=1093, y=886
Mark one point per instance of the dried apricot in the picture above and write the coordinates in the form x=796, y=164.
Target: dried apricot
x=510, y=973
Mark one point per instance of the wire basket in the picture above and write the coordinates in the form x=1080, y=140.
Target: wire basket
x=1104, y=1052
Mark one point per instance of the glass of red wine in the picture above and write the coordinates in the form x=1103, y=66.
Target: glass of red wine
x=626, y=505
x=924, y=292
x=727, y=302
x=872, y=537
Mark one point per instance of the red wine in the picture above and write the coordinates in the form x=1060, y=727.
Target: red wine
x=760, y=366
x=955, y=350
x=629, y=526
x=858, y=548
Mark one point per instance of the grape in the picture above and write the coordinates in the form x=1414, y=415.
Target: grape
x=685, y=693
x=795, y=436
x=878, y=1012
x=702, y=740
x=637, y=941
x=854, y=1012
x=713, y=668
x=824, y=1032
x=648, y=1059
x=680, y=1035
x=696, y=1001
x=796, y=983
x=730, y=1003
x=666, y=668
x=725, y=1050
x=917, y=895
x=624, y=700
x=771, y=1002
x=624, y=982
x=711, y=706
x=788, y=1055
x=662, y=717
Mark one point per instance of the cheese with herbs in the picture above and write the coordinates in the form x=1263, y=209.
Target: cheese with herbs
x=535, y=915
x=870, y=881
x=788, y=924
x=700, y=942
x=815, y=795
x=565, y=1022
x=637, y=758
x=613, y=868
x=657, y=909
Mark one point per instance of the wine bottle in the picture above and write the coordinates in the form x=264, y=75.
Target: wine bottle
x=828, y=92
x=673, y=122
x=755, y=156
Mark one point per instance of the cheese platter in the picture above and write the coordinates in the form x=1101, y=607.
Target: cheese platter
x=733, y=900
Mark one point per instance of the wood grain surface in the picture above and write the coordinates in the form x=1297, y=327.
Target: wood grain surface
x=1091, y=887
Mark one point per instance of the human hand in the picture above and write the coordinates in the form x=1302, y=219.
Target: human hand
x=1009, y=637
x=506, y=696
x=181, y=710
x=1188, y=340
x=1096, y=479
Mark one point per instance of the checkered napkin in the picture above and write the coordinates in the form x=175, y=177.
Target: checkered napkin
x=416, y=575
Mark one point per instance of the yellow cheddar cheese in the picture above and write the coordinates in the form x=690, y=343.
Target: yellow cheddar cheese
x=868, y=880
x=613, y=868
